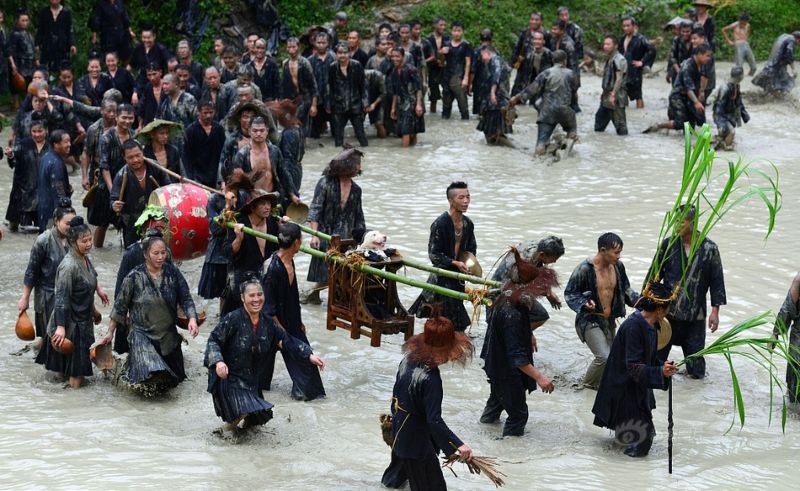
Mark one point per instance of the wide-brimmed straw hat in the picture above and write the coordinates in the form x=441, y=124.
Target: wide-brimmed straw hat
x=236, y=114
x=439, y=343
x=703, y=3
x=297, y=212
x=145, y=134
x=259, y=195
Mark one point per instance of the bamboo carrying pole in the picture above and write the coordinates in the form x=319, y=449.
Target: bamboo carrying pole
x=183, y=179
x=417, y=265
x=363, y=268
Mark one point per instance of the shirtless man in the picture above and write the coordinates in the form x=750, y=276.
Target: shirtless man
x=741, y=36
x=598, y=291
x=263, y=162
x=298, y=81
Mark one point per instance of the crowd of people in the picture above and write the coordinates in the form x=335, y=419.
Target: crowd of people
x=142, y=117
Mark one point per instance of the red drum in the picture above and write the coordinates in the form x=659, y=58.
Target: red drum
x=188, y=220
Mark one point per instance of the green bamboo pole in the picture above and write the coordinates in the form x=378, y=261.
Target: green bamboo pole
x=363, y=268
x=414, y=264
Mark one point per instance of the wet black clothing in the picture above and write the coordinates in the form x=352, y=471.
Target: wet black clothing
x=4, y=68
x=46, y=254
x=405, y=84
x=147, y=108
x=123, y=81
x=680, y=51
x=681, y=109
x=141, y=58
x=152, y=305
x=282, y=301
x=92, y=94
x=201, y=152
x=110, y=20
x=173, y=163
x=639, y=49
x=558, y=89
x=221, y=102
x=532, y=65
x=452, y=78
x=688, y=314
x=506, y=348
x=23, y=198
x=775, y=76
x=442, y=253
x=493, y=121
x=243, y=348
x=248, y=262
x=75, y=286
x=418, y=428
x=360, y=56
x=435, y=71
x=333, y=219
x=23, y=50
x=615, y=73
x=710, y=28
x=53, y=184
x=112, y=159
x=625, y=400
x=348, y=96
x=293, y=148
x=267, y=79
x=306, y=87
x=135, y=196
x=524, y=47
x=729, y=110
x=54, y=37
x=215, y=264
x=282, y=181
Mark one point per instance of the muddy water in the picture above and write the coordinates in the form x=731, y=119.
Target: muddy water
x=99, y=437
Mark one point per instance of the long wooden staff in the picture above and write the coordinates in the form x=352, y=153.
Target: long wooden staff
x=183, y=179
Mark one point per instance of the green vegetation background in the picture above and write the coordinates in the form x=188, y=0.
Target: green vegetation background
x=506, y=17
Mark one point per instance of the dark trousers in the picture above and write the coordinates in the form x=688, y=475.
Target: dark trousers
x=340, y=121
x=454, y=91
x=604, y=115
x=507, y=395
x=691, y=337
x=319, y=123
x=434, y=83
x=637, y=436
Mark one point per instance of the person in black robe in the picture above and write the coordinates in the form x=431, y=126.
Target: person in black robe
x=147, y=103
x=298, y=81
x=132, y=187
x=247, y=253
x=153, y=221
x=404, y=94
x=266, y=73
x=335, y=210
x=121, y=78
x=419, y=432
x=46, y=254
x=625, y=401
x=112, y=159
x=203, y=146
x=639, y=53
x=452, y=234
x=455, y=78
x=354, y=47
x=775, y=77
x=292, y=144
x=348, y=96
x=24, y=158
x=321, y=60
x=147, y=53
x=509, y=345
x=235, y=356
x=53, y=181
x=74, y=312
x=214, y=275
x=22, y=52
x=4, y=54
x=494, y=105
x=526, y=44
x=110, y=19
x=435, y=60
x=283, y=305
x=681, y=50
x=54, y=36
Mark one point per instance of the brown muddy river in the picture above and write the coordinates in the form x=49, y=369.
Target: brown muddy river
x=102, y=438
